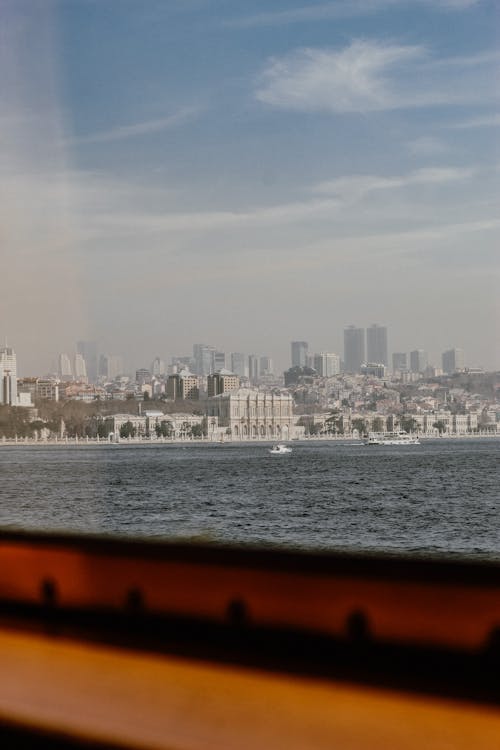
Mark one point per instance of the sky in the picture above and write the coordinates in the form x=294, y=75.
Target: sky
x=246, y=174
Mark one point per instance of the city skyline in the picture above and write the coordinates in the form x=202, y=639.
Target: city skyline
x=188, y=172
x=207, y=359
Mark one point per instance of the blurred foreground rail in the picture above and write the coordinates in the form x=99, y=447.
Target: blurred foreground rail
x=128, y=644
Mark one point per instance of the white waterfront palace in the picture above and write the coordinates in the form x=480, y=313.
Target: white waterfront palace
x=249, y=413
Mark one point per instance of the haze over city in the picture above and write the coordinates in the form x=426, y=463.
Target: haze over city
x=247, y=175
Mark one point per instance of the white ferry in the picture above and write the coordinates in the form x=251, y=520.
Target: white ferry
x=391, y=438
x=280, y=449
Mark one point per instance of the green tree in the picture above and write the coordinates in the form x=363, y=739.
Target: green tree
x=14, y=421
x=37, y=426
x=378, y=424
x=332, y=422
x=440, y=426
x=127, y=430
x=359, y=425
x=164, y=429
x=103, y=430
x=409, y=424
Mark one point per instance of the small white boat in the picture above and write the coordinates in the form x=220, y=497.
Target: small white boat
x=279, y=450
x=392, y=438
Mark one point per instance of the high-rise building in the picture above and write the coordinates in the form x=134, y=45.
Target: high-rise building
x=299, y=353
x=219, y=361
x=373, y=368
x=239, y=364
x=354, y=349
x=418, y=360
x=453, y=361
x=8, y=376
x=253, y=368
x=110, y=366
x=376, y=344
x=158, y=367
x=399, y=362
x=326, y=364
x=222, y=382
x=266, y=366
x=183, y=385
x=65, y=370
x=88, y=350
x=181, y=363
x=80, y=367
x=203, y=356
x=142, y=376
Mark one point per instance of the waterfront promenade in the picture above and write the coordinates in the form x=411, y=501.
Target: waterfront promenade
x=346, y=438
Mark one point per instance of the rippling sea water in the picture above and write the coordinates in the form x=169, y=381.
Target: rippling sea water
x=441, y=496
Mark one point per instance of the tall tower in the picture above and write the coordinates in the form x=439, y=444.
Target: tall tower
x=88, y=350
x=158, y=367
x=204, y=356
x=399, y=362
x=418, y=360
x=266, y=366
x=299, y=353
x=453, y=361
x=80, y=367
x=65, y=367
x=219, y=361
x=354, y=349
x=376, y=344
x=8, y=376
x=239, y=364
x=253, y=368
x=327, y=364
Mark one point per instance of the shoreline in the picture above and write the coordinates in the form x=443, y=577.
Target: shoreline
x=82, y=442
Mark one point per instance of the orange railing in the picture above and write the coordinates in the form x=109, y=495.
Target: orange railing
x=135, y=644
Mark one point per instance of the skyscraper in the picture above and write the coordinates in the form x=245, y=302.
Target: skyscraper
x=354, y=349
x=399, y=362
x=204, y=355
x=376, y=344
x=8, y=376
x=80, y=367
x=65, y=367
x=418, y=360
x=219, y=361
x=239, y=364
x=158, y=367
x=266, y=366
x=299, y=353
x=327, y=364
x=453, y=361
x=88, y=350
x=253, y=368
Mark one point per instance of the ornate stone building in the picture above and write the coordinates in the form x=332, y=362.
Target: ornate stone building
x=251, y=414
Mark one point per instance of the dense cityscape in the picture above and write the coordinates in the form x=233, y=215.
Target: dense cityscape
x=216, y=395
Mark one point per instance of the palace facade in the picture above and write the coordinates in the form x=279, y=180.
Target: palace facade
x=252, y=414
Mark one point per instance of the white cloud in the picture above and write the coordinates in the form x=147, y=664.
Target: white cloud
x=353, y=79
x=369, y=76
x=486, y=121
x=356, y=186
x=140, y=128
x=111, y=210
x=339, y=9
x=427, y=145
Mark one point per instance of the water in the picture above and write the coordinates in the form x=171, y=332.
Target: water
x=440, y=497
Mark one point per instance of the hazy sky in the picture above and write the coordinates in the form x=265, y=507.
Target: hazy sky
x=244, y=174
